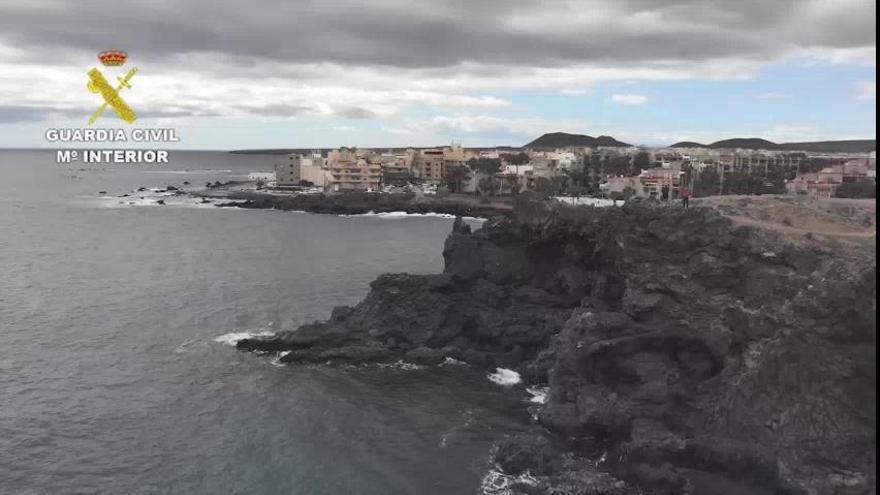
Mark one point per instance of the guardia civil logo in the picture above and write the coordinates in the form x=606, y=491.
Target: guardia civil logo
x=98, y=84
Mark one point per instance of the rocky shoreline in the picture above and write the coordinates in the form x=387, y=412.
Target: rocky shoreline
x=356, y=203
x=683, y=354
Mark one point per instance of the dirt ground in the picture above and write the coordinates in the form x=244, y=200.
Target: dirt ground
x=847, y=227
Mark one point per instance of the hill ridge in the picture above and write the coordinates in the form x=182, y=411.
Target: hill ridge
x=835, y=146
x=565, y=139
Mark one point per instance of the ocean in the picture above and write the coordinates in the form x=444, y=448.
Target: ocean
x=116, y=319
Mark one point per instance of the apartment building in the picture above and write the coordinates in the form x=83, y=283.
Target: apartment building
x=430, y=166
x=396, y=168
x=353, y=171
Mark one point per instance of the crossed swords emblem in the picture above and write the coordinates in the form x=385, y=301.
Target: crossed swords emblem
x=98, y=84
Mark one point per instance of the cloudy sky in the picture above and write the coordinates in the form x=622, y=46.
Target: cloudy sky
x=233, y=74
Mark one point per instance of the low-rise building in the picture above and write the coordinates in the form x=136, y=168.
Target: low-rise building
x=622, y=186
x=659, y=183
x=824, y=183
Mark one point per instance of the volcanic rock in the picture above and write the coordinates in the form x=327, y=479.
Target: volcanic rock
x=679, y=355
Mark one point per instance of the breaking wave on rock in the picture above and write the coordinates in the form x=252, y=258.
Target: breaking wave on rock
x=497, y=482
x=232, y=338
x=277, y=360
x=392, y=215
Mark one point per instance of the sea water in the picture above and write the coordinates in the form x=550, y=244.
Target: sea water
x=116, y=319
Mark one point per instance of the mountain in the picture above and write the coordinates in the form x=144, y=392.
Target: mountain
x=745, y=143
x=564, y=139
x=849, y=146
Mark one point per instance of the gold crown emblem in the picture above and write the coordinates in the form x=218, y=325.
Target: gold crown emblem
x=113, y=57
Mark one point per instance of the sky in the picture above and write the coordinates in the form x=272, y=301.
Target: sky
x=327, y=73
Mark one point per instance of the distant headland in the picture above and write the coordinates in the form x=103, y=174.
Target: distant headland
x=555, y=140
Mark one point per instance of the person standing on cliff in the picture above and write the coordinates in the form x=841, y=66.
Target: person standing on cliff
x=685, y=195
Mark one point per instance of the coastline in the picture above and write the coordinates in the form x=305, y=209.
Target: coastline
x=361, y=203
x=648, y=326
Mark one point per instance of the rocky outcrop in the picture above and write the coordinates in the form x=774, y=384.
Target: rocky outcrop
x=359, y=203
x=682, y=354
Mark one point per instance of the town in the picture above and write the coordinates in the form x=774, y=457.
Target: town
x=610, y=172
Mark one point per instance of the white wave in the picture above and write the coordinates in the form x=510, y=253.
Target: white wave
x=504, y=377
x=392, y=215
x=402, y=365
x=539, y=394
x=401, y=214
x=452, y=362
x=197, y=171
x=496, y=482
x=145, y=198
x=184, y=347
x=232, y=338
x=277, y=360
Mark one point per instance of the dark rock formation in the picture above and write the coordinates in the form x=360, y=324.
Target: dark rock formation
x=360, y=203
x=683, y=355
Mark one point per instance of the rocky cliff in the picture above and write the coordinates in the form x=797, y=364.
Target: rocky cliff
x=682, y=354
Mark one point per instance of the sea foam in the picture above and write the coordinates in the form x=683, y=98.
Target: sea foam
x=504, y=377
x=277, y=360
x=496, y=482
x=402, y=365
x=539, y=394
x=232, y=338
x=448, y=361
x=393, y=215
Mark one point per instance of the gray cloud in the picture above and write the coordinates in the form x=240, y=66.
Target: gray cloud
x=42, y=113
x=443, y=33
x=37, y=113
x=356, y=113
x=373, y=60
